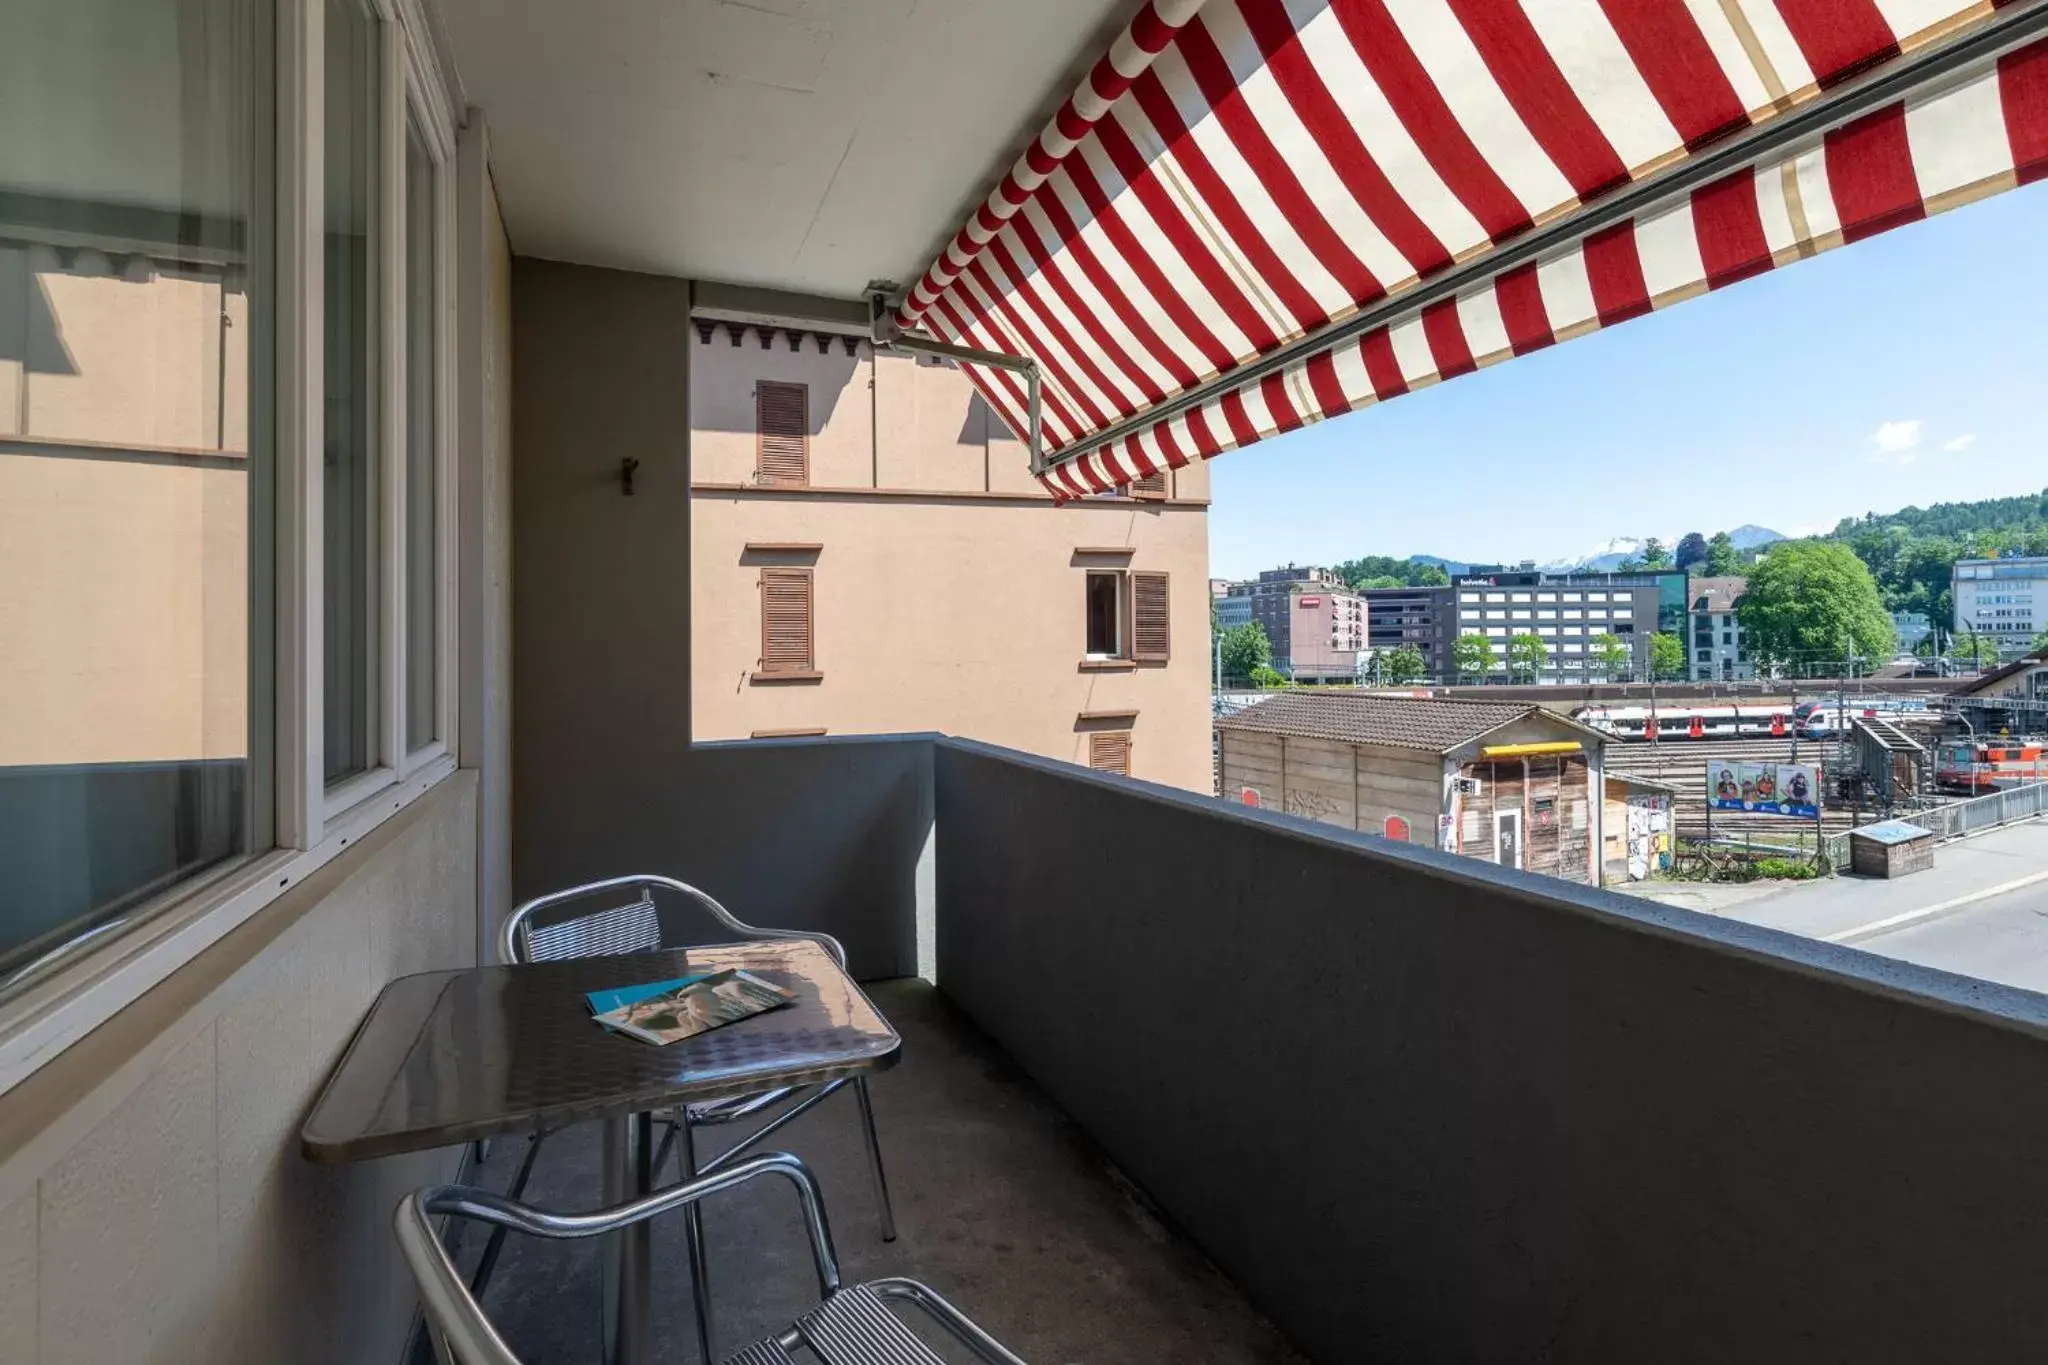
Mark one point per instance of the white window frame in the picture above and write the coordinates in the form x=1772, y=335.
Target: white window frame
x=311, y=823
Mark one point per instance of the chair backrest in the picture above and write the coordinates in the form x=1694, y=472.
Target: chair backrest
x=634, y=927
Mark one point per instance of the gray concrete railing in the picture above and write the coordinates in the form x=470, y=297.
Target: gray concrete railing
x=1416, y=1106
x=1957, y=818
x=1420, y=1108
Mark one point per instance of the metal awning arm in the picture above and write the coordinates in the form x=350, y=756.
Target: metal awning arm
x=884, y=332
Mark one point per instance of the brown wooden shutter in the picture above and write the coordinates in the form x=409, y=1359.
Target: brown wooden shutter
x=1151, y=486
x=1109, y=751
x=782, y=420
x=786, y=622
x=1151, y=632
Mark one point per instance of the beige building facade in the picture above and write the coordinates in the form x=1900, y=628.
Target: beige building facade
x=870, y=553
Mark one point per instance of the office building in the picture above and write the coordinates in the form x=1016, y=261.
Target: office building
x=1570, y=613
x=1425, y=619
x=2004, y=601
x=1232, y=611
x=1315, y=621
x=1325, y=635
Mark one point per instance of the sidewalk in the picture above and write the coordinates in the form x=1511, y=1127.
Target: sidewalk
x=1847, y=909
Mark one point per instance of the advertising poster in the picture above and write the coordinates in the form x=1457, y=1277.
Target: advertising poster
x=1764, y=788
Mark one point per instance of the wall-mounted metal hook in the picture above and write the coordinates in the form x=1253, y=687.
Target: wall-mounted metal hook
x=626, y=468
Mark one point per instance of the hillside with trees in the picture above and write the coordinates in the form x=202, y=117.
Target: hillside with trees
x=1385, y=571
x=1910, y=552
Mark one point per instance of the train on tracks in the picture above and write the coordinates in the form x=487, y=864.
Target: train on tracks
x=1762, y=720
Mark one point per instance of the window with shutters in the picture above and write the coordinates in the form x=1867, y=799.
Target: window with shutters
x=1109, y=751
x=787, y=647
x=1151, y=632
x=1151, y=486
x=782, y=423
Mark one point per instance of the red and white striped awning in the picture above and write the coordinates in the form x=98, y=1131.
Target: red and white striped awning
x=1256, y=214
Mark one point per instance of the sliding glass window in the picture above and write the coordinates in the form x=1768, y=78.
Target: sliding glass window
x=422, y=441
x=350, y=446
x=135, y=458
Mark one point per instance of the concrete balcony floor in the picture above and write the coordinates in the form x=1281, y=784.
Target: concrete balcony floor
x=1002, y=1205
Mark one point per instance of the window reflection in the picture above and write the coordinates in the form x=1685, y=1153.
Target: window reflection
x=134, y=296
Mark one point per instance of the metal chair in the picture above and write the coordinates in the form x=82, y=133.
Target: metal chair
x=849, y=1326
x=531, y=934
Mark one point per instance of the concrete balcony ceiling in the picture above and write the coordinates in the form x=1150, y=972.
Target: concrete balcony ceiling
x=810, y=145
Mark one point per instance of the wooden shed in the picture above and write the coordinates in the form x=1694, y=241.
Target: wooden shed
x=1891, y=848
x=1505, y=781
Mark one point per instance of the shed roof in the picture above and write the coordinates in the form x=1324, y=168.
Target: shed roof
x=1433, y=724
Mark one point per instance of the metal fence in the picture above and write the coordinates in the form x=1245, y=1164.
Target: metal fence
x=1961, y=817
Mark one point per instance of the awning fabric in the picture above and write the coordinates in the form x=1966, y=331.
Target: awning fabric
x=1237, y=174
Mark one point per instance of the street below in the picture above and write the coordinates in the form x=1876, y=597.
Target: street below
x=1981, y=910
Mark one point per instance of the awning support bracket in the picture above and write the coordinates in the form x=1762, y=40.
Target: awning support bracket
x=882, y=297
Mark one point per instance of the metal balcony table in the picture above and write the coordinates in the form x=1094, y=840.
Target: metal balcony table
x=449, y=1057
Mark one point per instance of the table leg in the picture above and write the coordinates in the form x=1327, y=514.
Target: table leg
x=628, y=1258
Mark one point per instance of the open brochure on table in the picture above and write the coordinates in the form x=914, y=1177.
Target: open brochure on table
x=668, y=1011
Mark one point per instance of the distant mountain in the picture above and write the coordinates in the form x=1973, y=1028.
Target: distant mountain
x=1608, y=557
x=1453, y=567
x=1605, y=557
x=1749, y=537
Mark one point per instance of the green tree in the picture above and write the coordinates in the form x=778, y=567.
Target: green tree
x=1264, y=677
x=1723, y=559
x=1403, y=666
x=1246, y=650
x=1526, y=656
x=1814, y=601
x=1692, y=549
x=1471, y=656
x=1616, y=659
x=1655, y=556
x=1385, y=571
x=1667, y=656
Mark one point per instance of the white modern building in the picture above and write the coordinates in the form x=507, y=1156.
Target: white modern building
x=2003, y=600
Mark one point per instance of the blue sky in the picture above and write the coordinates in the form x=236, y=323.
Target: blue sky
x=1909, y=368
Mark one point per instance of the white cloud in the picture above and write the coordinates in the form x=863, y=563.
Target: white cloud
x=1956, y=444
x=1895, y=442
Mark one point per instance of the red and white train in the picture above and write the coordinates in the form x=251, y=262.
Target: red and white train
x=1762, y=720
x=1692, y=722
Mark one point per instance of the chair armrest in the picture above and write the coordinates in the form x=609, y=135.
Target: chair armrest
x=464, y=1202
x=454, y=1320
x=508, y=933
